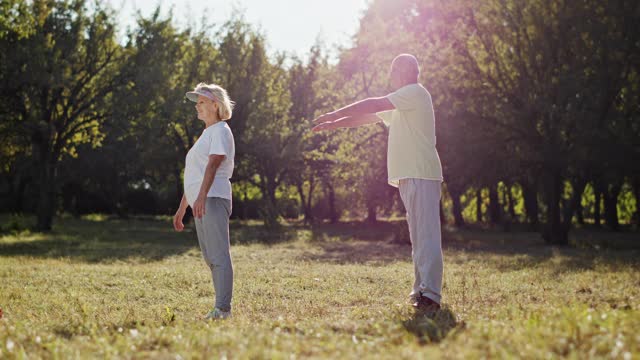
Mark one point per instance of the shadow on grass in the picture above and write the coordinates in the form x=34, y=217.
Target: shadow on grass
x=359, y=230
x=524, y=250
x=432, y=327
x=153, y=239
x=101, y=241
x=113, y=239
x=506, y=251
x=358, y=252
x=357, y=242
x=254, y=232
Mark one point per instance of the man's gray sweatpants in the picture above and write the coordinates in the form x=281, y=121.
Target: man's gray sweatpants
x=213, y=236
x=421, y=199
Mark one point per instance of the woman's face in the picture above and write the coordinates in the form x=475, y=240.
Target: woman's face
x=207, y=108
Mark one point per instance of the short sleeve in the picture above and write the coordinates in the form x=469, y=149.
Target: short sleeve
x=405, y=98
x=386, y=117
x=219, y=143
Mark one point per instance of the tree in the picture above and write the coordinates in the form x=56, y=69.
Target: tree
x=310, y=88
x=64, y=72
x=541, y=64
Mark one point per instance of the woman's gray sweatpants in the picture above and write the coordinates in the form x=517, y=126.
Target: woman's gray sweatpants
x=213, y=236
x=421, y=199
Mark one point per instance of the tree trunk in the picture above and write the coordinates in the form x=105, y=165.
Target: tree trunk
x=580, y=212
x=554, y=231
x=494, y=205
x=268, y=207
x=306, y=206
x=46, y=199
x=19, y=204
x=245, y=208
x=270, y=211
x=636, y=192
x=530, y=195
x=479, y=205
x=309, y=209
x=120, y=204
x=333, y=213
x=371, y=212
x=571, y=206
x=508, y=216
x=597, y=190
x=611, y=206
x=16, y=193
x=458, y=220
x=509, y=200
x=67, y=194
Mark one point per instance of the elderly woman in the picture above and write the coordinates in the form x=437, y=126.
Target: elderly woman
x=207, y=189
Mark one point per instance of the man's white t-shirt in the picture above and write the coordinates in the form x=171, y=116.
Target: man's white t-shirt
x=411, y=151
x=217, y=139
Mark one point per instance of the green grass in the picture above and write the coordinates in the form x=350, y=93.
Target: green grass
x=98, y=288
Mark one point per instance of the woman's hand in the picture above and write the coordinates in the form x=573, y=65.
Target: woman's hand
x=177, y=220
x=199, y=207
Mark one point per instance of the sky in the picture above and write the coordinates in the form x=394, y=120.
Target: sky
x=289, y=25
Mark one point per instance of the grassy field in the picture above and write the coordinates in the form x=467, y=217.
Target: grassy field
x=98, y=288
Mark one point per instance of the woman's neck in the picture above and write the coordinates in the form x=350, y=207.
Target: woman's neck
x=210, y=122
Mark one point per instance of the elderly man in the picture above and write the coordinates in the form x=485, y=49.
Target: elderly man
x=413, y=165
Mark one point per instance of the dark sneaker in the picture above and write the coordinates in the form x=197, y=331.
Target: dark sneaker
x=425, y=304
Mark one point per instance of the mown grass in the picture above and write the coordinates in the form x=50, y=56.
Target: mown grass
x=97, y=288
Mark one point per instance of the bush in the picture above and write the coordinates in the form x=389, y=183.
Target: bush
x=16, y=223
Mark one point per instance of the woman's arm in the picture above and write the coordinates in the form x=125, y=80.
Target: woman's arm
x=209, y=175
x=177, y=218
x=183, y=204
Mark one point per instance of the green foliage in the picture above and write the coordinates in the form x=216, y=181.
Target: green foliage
x=533, y=107
x=15, y=223
x=58, y=78
x=16, y=21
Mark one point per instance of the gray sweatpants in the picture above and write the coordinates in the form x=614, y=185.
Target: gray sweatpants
x=421, y=199
x=213, y=236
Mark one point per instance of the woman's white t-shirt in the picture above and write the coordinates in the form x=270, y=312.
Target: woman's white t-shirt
x=217, y=139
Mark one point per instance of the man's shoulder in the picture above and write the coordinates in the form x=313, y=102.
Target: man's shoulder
x=422, y=90
x=416, y=90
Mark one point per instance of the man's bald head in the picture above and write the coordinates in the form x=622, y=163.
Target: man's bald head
x=404, y=70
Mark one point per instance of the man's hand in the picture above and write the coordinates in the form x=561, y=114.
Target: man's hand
x=324, y=126
x=324, y=118
x=199, y=207
x=177, y=220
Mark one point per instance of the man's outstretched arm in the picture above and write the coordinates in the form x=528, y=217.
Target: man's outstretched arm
x=348, y=122
x=363, y=107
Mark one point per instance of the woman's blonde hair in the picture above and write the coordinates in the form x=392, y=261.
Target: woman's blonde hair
x=220, y=96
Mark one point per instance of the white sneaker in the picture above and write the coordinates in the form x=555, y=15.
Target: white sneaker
x=217, y=314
